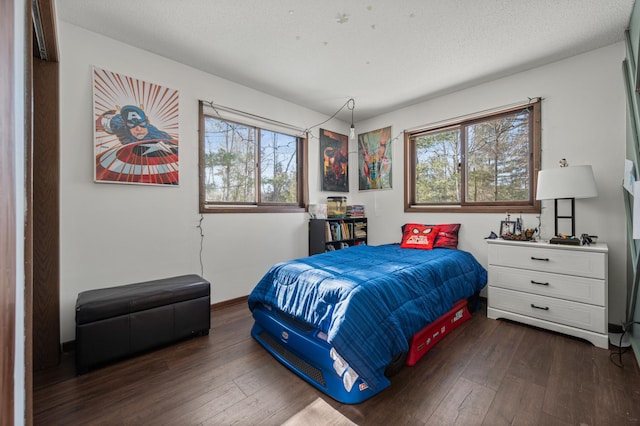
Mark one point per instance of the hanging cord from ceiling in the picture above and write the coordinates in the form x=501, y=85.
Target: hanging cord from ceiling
x=350, y=104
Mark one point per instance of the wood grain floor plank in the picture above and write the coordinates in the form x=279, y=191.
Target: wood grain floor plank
x=488, y=366
x=533, y=356
x=416, y=391
x=617, y=399
x=571, y=390
x=517, y=402
x=177, y=392
x=485, y=372
x=198, y=409
x=466, y=403
x=271, y=405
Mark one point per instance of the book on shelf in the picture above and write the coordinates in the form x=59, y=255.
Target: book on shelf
x=359, y=230
x=345, y=231
x=341, y=230
x=337, y=231
x=356, y=210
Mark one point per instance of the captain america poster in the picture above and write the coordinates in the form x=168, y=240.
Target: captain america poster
x=136, y=130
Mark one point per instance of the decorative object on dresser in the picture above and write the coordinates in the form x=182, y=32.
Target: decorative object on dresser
x=514, y=229
x=566, y=182
x=556, y=287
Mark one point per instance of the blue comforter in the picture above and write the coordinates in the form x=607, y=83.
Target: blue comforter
x=370, y=300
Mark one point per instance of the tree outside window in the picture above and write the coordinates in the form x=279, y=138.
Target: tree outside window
x=249, y=169
x=482, y=165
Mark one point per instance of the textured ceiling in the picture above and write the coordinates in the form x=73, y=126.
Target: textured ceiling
x=385, y=54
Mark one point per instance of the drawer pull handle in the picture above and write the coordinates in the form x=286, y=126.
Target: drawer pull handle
x=539, y=283
x=546, y=308
x=546, y=259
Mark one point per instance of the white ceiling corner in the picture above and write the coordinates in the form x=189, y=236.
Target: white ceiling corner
x=385, y=54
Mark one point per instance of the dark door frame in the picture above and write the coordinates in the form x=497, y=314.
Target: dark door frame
x=44, y=26
x=8, y=219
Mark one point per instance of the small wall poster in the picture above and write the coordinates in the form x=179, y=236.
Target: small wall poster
x=629, y=176
x=374, y=159
x=334, y=151
x=136, y=130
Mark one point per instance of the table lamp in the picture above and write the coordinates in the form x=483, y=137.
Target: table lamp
x=566, y=183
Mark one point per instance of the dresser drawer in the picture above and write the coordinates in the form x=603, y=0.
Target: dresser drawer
x=587, y=317
x=564, y=261
x=578, y=289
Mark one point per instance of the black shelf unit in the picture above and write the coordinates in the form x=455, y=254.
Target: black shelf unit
x=335, y=234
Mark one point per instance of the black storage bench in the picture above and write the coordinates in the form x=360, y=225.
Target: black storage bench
x=116, y=322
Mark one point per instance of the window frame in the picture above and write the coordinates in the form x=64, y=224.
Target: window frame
x=530, y=206
x=302, y=189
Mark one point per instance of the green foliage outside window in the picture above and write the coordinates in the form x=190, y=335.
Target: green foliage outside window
x=246, y=165
x=483, y=162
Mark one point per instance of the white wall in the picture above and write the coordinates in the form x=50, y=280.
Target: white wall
x=118, y=234
x=583, y=120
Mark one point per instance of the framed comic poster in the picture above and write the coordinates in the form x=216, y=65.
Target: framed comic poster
x=136, y=130
x=374, y=159
x=334, y=154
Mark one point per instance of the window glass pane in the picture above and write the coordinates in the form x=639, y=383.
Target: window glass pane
x=437, y=177
x=478, y=164
x=230, y=158
x=278, y=174
x=497, y=159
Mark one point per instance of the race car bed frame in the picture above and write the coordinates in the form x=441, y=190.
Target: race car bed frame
x=341, y=320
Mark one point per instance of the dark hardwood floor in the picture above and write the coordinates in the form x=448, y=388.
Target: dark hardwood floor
x=485, y=372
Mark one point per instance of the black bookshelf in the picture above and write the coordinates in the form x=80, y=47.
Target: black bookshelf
x=335, y=234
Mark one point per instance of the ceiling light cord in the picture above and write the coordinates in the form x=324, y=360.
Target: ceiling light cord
x=351, y=102
x=352, y=129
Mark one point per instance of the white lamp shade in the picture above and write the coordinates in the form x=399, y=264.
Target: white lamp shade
x=566, y=182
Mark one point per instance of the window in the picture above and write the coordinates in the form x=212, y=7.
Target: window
x=483, y=164
x=246, y=168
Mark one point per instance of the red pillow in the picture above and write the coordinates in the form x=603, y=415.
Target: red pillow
x=447, y=236
x=419, y=236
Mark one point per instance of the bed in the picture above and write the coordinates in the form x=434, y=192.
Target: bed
x=340, y=319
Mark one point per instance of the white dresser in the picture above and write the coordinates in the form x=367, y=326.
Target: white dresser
x=558, y=287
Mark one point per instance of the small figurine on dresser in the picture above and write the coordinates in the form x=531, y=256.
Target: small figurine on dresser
x=515, y=231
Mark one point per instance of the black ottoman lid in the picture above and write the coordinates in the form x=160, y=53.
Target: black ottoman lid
x=94, y=305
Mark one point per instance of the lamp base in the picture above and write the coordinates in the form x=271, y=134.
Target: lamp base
x=566, y=241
